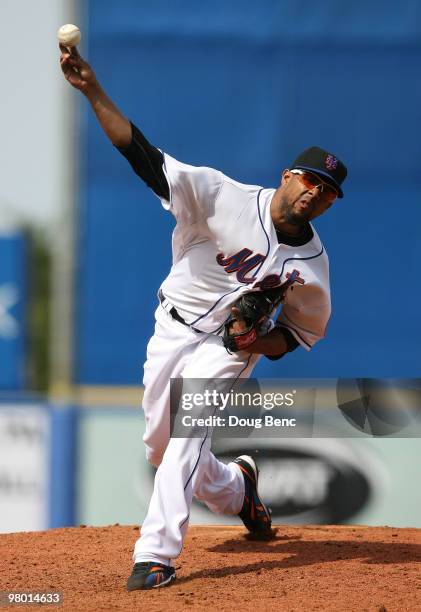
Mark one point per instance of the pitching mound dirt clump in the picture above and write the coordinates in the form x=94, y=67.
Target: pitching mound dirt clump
x=301, y=569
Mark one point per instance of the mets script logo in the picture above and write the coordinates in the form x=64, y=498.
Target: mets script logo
x=274, y=280
x=242, y=263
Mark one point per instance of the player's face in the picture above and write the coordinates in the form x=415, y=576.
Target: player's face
x=304, y=197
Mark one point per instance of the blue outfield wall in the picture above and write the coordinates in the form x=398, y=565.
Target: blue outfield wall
x=243, y=87
x=13, y=306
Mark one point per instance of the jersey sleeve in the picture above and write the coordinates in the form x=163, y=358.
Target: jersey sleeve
x=192, y=190
x=307, y=319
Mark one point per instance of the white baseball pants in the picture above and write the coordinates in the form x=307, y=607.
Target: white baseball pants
x=186, y=466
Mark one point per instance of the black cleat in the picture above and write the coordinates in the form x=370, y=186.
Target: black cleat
x=150, y=575
x=254, y=514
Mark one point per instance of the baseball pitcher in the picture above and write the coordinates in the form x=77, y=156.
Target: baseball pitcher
x=239, y=252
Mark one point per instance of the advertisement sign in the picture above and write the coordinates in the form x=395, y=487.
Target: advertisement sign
x=357, y=480
x=24, y=467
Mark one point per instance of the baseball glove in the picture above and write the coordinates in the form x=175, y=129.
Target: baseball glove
x=253, y=309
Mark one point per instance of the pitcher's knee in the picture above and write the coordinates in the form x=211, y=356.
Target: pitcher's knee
x=153, y=456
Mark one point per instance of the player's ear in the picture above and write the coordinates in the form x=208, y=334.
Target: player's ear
x=285, y=176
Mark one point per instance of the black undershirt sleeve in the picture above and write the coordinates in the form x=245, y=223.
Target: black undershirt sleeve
x=147, y=161
x=291, y=341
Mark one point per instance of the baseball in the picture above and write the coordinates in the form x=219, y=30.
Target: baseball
x=69, y=35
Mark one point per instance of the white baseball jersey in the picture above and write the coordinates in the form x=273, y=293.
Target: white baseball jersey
x=225, y=244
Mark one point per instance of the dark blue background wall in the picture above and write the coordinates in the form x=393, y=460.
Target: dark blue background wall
x=13, y=304
x=243, y=87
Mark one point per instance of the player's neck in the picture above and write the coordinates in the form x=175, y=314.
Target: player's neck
x=289, y=229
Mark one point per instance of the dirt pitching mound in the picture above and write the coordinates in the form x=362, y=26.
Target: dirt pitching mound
x=302, y=568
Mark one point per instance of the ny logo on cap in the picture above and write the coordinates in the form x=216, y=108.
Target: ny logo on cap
x=331, y=162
